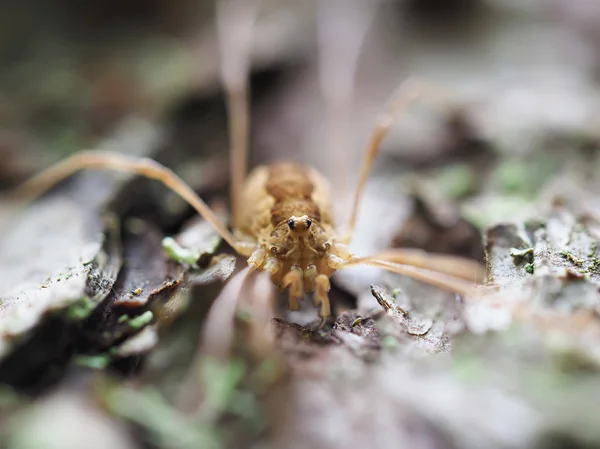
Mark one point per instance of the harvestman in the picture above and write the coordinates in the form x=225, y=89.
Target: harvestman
x=281, y=213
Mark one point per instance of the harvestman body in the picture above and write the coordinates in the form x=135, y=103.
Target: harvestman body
x=281, y=213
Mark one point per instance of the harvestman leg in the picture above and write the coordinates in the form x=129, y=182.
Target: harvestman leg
x=449, y=264
x=106, y=160
x=408, y=91
x=342, y=27
x=235, y=25
x=430, y=276
x=444, y=271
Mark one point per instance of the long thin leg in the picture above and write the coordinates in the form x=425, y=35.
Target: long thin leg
x=341, y=28
x=459, y=267
x=409, y=90
x=235, y=24
x=219, y=329
x=106, y=160
x=451, y=283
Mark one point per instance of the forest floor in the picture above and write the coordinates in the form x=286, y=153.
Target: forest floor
x=112, y=336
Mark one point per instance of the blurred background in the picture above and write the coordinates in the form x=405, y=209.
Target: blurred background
x=521, y=79
x=511, y=121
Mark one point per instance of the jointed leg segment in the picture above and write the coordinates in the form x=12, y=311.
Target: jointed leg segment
x=294, y=280
x=106, y=160
x=409, y=91
x=451, y=265
x=257, y=258
x=435, y=278
x=322, y=286
x=235, y=25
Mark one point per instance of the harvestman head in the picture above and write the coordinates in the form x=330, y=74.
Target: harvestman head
x=291, y=236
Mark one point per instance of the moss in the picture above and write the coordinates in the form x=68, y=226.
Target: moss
x=529, y=268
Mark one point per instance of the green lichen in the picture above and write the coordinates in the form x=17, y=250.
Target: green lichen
x=142, y=320
x=166, y=425
x=575, y=260
x=522, y=254
x=179, y=254
x=467, y=368
x=512, y=176
x=529, y=268
x=565, y=254
x=516, y=252
x=495, y=208
x=389, y=342
x=80, y=309
x=269, y=371
x=8, y=396
x=457, y=181
x=93, y=361
x=222, y=382
x=244, y=314
x=593, y=248
x=534, y=223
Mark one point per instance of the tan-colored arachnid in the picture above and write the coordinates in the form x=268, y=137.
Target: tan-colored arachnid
x=281, y=213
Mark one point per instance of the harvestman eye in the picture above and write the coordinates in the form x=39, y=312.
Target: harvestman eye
x=291, y=223
x=308, y=223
